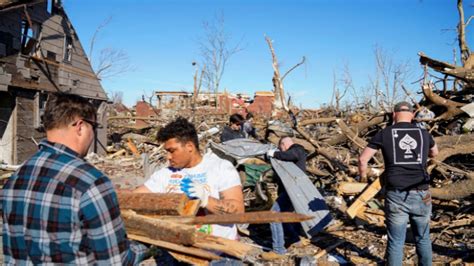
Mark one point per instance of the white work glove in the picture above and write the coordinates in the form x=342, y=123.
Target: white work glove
x=271, y=152
x=195, y=191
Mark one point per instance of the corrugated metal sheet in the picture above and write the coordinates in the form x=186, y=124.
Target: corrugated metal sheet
x=304, y=196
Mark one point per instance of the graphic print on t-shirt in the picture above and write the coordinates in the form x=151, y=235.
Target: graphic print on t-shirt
x=407, y=145
x=174, y=182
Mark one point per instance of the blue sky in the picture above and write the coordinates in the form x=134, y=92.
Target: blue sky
x=161, y=39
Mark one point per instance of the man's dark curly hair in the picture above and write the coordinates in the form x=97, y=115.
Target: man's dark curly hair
x=236, y=119
x=181, y=129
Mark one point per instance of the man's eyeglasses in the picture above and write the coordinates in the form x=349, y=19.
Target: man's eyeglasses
x=94, y=124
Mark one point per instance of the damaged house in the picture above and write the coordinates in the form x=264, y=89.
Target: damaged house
x=40, y=53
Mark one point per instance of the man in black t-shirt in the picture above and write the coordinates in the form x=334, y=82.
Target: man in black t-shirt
x=405, y=148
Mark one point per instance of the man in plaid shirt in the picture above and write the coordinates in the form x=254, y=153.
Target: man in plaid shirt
x=59, y=209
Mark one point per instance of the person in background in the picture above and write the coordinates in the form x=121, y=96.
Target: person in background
x=212, y=180
x=405, y=149
x=234, y=129
x=59, y=209
x=292, y=152
x=248, y=128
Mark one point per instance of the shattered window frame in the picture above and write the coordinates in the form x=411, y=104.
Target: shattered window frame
x=29, y=36
x=67, y=51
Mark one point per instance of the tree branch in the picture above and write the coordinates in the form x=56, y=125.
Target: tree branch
x=291, y=69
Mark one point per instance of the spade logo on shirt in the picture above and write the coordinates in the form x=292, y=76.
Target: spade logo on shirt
x=407, y=145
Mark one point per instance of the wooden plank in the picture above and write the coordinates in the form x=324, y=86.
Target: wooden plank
x=66, y=67
x=132, y=147
x=183, y=234
x=175, y=247
x=153, y=203
x=189, y=259
x=158, y=229
x=368, y=194
x=191, y=208
x=228, y=246
x=260, y=217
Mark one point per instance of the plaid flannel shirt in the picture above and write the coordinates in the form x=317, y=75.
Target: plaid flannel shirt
x=59, y=209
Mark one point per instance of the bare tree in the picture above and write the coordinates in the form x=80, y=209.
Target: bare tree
x=461, y=28
x=197, y=85
x=116, y=96
x=111, y=62
x=390, y=76
x=96, y=34
x=216, y=50
x=279, y=102
x=337, y=95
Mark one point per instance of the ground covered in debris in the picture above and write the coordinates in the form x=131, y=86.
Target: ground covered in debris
x=361, y=240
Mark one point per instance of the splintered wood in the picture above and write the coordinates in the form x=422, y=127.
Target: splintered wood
x=154, y=203
x=148, y=230
x=158, y=229
x=363, y=198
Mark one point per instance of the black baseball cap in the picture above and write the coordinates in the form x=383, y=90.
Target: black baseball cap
x=403, y=106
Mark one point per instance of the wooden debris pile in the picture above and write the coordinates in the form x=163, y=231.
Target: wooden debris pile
x=334, y=140
x=168, y=221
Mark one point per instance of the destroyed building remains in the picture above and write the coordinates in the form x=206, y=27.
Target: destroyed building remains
x=40, y=53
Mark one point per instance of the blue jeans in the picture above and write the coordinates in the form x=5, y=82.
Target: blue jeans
x=282, y=204
x=401, y=207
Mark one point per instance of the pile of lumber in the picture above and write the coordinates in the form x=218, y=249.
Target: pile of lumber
x=168, y=221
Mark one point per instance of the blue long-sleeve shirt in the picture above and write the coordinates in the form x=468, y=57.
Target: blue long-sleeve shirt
x=59, y=209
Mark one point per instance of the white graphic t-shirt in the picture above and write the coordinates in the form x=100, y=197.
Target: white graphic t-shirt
x=216, y=173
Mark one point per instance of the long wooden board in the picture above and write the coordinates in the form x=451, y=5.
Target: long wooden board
x=368, y=194
x=259, y=217
x=197, y=252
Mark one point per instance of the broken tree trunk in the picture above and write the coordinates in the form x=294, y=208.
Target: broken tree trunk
x=453, y=145
x=154, y=203
x=458, y=190
x=463, y=73
x=353, y=136
x=453, y=108
x=279, y=101
x=358, y=128
x=328, y=153
x=322, y=120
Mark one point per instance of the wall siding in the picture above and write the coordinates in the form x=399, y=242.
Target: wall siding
x=25, y=131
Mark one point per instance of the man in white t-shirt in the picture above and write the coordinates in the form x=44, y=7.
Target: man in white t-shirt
x=207, y=177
